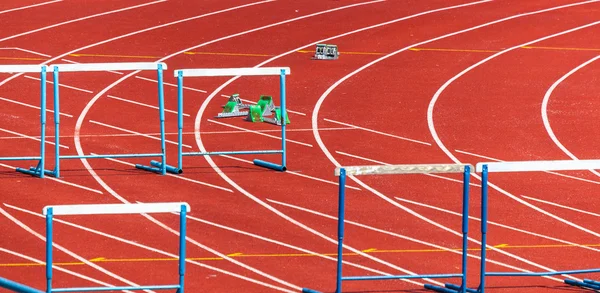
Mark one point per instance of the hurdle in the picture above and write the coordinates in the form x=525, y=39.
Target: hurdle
x=524, y=166
x=343, y=172
x=93, y=67
x=115, y=209
x=212, y=72
x=41, y=69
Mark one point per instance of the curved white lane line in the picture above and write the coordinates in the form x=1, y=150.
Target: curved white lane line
x=545, y=111
x=69, y=272
x=95, y=98
x=70, y=253
x=382, y=196
x=454, y=159
x=29, y=6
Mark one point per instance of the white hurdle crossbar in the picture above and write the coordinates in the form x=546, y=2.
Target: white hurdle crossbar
x=111, y=209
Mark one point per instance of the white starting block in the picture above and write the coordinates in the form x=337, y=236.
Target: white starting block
x=326, y=52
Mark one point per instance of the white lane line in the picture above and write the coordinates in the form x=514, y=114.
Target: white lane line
x=430, y=125
x=549, y=172
x=79, y=19
x=499, y=225
x=294, y=173
x=162, y=252
x=32, y=106
x=55, y=267
x=382, y=163
x=31, y=137
x=31, y=52
x=142, y=104
x=378, y=132
x=544, y=110
x=73, y=62
x=62, y=85
x=174, y=176
x=170, y=84
x=70, y=253
x=254, y=103
x=404, y=237
x=260, y=133
x=29, y=6
x=59, y=181
x=561, y=206
x=135, y=132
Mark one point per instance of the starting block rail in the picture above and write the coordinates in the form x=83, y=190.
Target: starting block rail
x=523, y=166
x=93, y=67
x=211, y=72
x=42, y=70
x=343, y=172
x=103, y=209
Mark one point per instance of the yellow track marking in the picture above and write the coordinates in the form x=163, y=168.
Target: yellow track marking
x=561, y=49
x=228, y=54
x=22, y=58
x=97, y=259
x=453, y=50
x=114, y=56
x=501, y=245
x=235, y=254
x=369, y=250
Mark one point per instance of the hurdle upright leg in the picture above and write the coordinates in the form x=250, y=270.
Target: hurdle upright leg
x=49, y=216
x=283, y=118
x=465, y=227
x=56, y=172
x=182, y=243
x=341, y=218
x=484, y=219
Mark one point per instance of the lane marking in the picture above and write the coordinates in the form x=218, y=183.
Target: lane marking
x=170, y=84
x=112, y=56
x=145, y=105
x=382, y=163
x=227, y=54
x=378, y=132
x=62, y=85
x=73, y=62
x=452, y=50
x=31, y=137
x=31, y=52
x=561, y=206
x=136, y=133
x=294, y=173
x=22, y=58
x=60, y=181
x=560, y=49
x=29, y=6
x=33, y=107
x=174, y=176
x=259, y=133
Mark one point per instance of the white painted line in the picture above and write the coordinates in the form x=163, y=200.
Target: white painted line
x=32, y=106
x=29, y=6
x=73, y=62
x=79, y=19
x=404, y=237
x=118, y=66
x=378, y=132
x=232, y=71
x=426, y=174
x=116, y=209
x=62, y=85
x=544, y=110
x=561, y=206
x=31, y=137
x=549, y=172
x=532, y=166
x=294, y=173
x=254, y=103
x=170, y=84
x=142, y=104
x=21, y=68
x=175, y=176
x=136, y=133
x=499, y=225
x=256, y=132
x=32, y=52
x=59, y=180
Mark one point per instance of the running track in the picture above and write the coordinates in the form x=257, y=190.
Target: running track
x=467, y=91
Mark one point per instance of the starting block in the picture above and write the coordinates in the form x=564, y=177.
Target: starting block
x=233, y=108
x=255, y=114
x=277, y=119
x=326, y=52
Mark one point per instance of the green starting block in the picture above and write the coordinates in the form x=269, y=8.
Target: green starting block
x=255, y=114
x=233, y=108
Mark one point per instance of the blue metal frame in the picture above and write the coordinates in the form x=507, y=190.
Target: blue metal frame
x=161, y=110
x=16, y=287
x=589, y=284
x=341, y=219
x=180, y=154
x=36, y=171
x=181, y=272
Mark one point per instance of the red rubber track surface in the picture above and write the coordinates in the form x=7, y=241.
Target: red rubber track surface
x=493, y=111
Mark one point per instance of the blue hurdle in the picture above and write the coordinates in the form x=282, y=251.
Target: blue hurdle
x=16, y=287
x=106, y=209
x=524, y=166
x=41, y=69
x=343, y=172
x=91, y=67
x=265, y=71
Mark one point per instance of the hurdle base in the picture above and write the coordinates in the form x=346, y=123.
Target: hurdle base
x=34, y=171
x=588, y=284
x=306, y=290
x=148, y=168
x=269, y=165
x=170, y=169
x=449, y=288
